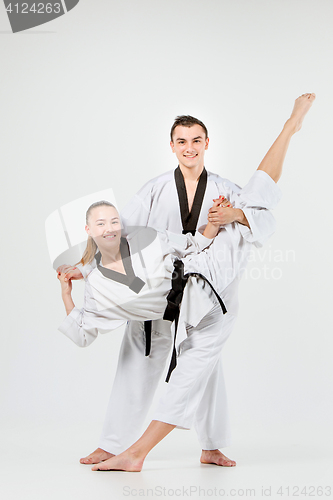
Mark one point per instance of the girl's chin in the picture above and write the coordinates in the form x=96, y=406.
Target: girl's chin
x=109, y=243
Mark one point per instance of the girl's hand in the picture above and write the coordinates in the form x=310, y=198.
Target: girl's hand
x=72, y=272
x=66, y=284
x=222, y=202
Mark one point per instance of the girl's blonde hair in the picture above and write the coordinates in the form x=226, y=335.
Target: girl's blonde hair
x=91, y=248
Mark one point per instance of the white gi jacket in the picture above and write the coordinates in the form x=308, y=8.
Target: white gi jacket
x=108, y=304
x=148, y=206
x=111, y=299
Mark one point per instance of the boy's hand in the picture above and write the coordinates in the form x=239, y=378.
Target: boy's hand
x=221, y=213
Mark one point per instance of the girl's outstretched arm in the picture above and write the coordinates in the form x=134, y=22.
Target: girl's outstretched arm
x=66, y=292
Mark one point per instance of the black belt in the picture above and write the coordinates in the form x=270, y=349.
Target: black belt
x=189, y=222
x=147, y=327
x=174, y=299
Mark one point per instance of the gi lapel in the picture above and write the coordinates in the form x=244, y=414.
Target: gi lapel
x=190, y=219
x=129, y=279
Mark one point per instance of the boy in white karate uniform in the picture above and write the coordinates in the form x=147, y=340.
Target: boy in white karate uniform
x=133, y=458
x=256, y=225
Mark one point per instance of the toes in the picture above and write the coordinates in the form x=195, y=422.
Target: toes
x=90, y=460
x=228, y=463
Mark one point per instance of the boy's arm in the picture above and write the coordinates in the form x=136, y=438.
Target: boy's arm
x=222, y=213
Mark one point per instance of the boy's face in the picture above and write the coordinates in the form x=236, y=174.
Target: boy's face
x=189, y=145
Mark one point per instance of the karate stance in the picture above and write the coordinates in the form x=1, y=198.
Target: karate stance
x=132, y=280
x=189, y=155
x=177, y=201
x=132, y=459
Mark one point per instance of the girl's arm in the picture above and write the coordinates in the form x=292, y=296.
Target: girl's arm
x=82, y=325
x=66, y=292
x=211, y=230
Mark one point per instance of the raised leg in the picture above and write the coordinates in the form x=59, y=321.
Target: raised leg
x=273, y=161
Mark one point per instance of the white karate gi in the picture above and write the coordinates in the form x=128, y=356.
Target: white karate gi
x=109, y=302
x=195, y=379
x=137, y=376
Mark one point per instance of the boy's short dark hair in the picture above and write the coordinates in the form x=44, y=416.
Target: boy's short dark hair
x=187, y=121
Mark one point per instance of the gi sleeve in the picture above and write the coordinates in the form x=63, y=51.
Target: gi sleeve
x=83, y=325
x=76, y=329
x=181, y=245
x=256, y=199
x=86, y=270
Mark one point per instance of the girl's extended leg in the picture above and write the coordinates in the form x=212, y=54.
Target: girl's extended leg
x=271, y=164
x=273, y=161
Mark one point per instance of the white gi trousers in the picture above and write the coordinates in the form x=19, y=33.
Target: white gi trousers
x=195, y=394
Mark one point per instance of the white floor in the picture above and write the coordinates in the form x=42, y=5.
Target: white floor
x=41, y=462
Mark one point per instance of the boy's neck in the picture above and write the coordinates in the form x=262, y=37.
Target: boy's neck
x=191, y=174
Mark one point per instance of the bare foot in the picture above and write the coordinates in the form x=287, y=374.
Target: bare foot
x=126, y=461
x=301, y=107
x=217, y=458
x=96, y=456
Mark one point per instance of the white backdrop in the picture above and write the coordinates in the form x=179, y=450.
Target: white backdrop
x=87, y=102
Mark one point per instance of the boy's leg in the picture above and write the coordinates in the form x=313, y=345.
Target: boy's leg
x=199, y=354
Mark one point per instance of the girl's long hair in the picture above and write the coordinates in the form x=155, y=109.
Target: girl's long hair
x=91, y=248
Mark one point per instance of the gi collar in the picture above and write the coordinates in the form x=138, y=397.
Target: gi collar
x=190, y=219
x=129, y=279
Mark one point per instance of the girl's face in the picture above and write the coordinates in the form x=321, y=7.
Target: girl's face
x=104, y=227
